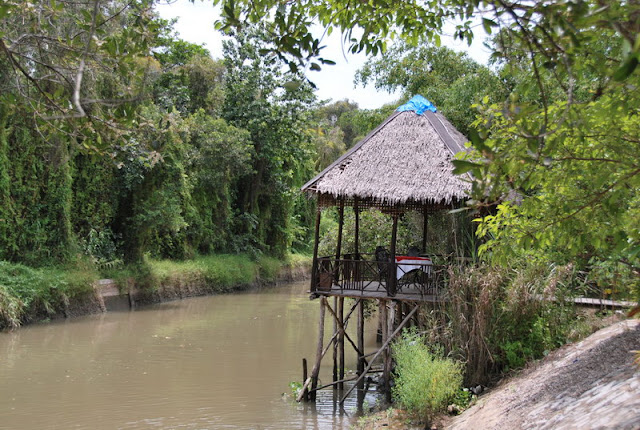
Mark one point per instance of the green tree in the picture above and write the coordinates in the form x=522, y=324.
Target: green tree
x=218, y=155
x=274, y=107
x=451, y=80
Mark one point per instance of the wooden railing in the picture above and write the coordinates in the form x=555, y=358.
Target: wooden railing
x=365, y=274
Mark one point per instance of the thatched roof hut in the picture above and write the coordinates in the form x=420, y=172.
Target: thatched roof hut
x=405, y=163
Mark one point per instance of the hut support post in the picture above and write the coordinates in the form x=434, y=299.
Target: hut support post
x=392, y=272
x=361, y=343
x=314, y=265
x=425, y=230
x=386, y=373
x=356, y=242
x=316, y=367
x=339, y=242
x=335, y=344
x=341, y=341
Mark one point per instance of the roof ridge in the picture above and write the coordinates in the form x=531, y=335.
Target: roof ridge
x=442, y=131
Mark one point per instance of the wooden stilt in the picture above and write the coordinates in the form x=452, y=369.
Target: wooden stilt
x=316, y=367
x=380, y=319
x=335, y=344
x=361, y=342
x=344, y=326
x=388, y=359
x=384, y=317
x=377, y=354
x=305, y=391
x=341, y=341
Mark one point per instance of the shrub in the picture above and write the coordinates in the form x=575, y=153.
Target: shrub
x=425, y=381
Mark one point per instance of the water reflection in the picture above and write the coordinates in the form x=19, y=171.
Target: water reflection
x=213, y=362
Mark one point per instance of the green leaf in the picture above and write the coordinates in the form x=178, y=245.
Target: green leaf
x=4, y=10
x=488, y=24
x=292, y=85
x=315, y=67
x=463, y=166
x=626, y=69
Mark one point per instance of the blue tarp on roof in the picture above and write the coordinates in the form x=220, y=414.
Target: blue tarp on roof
x=418, y=104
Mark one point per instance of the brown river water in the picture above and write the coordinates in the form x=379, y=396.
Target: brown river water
x=219, y=362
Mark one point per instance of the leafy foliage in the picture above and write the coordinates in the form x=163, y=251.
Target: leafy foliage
x=425, y=381
x=258, y=100
x=449, y=79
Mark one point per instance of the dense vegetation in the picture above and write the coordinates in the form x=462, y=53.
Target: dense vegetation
x=122, y=145
x=554, y=135
x=119, y=141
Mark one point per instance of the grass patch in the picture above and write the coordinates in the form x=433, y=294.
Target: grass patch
x=26, y=292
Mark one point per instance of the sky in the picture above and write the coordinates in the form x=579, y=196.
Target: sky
x=195, y=25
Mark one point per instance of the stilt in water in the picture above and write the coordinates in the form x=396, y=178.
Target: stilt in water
x=319, y=353
x=341, y=341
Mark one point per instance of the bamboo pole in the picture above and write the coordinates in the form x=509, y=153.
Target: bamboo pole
x=304, y=390
x=337, y=382
x=384, y=346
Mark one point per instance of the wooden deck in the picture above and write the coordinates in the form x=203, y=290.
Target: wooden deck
x=377, y=290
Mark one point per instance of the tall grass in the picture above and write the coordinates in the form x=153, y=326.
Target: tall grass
x=497, y=319
x=27, y=293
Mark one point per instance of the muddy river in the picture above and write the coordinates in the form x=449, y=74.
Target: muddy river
x=221, y=362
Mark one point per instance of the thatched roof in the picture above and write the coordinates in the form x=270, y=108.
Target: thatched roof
x=405, y=161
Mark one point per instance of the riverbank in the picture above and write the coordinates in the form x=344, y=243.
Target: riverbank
x=586, y=384
x=30, y=295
